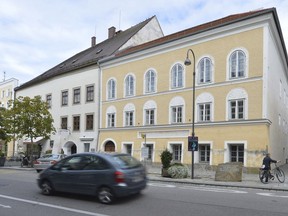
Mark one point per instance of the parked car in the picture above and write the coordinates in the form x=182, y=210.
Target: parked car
x=47, y=160
x=107, y=176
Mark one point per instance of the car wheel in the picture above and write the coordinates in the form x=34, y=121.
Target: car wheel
x=46, y=188
x=105, y=195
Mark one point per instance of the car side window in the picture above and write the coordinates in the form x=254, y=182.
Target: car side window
x=96, y=163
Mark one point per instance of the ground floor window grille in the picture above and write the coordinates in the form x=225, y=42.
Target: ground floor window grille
x=204, y=151
x=237, y=153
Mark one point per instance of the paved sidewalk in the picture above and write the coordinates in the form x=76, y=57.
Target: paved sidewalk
x=204, y=177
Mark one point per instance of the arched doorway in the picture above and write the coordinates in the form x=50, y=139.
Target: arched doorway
x=109, y=147
x=73, y=149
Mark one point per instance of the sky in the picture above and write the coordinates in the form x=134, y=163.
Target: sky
x=36, y=35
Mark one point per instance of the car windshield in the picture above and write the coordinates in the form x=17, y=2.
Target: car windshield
x=126, y=161
x=52, y=156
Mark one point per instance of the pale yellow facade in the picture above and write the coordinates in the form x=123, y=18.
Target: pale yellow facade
x=219, y=133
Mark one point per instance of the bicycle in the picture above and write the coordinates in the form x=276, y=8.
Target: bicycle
x=265, y=175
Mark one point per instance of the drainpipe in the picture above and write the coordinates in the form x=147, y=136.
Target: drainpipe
x=99, y=104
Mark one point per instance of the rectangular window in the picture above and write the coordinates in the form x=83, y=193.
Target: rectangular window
x=111, y=120
x=128, y=148
x=237, y=153
x=89, y=122
x=129, y=118
x=176, y=152
x=150, y=117
x=64, y=98
x=150, y=151
x=236, y=109
x=204, y=112
x=204, y=151
x=76, y=123
x=86, y=147
x=177, y=114
x=64, y=122
x=76, y=96
x=89, y=93
x=49, y=100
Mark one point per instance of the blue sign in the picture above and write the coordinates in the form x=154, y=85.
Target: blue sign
x=192, y=143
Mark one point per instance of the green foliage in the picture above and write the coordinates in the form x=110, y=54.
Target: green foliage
x=3, y=133
x=2, y=154
x=166, y=158
x=48, y=152
x=28, y=117
x=178, y=170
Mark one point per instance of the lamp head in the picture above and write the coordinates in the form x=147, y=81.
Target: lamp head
x=187, y=62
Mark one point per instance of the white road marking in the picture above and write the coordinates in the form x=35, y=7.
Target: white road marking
x=217, y=190
x=161, y=185
x=5, y=206
x=52, y=206
x=272, y=195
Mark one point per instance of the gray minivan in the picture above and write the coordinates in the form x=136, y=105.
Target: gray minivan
x=102, y=174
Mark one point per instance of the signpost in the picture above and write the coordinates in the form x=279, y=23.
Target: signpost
x=192, y=146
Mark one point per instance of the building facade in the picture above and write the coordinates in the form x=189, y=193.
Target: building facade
x=7, y=94
x=143, y=92
x=240, y=93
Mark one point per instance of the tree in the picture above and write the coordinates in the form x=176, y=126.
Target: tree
x=28, y=118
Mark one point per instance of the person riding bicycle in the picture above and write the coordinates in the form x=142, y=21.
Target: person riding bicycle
x=267, y=160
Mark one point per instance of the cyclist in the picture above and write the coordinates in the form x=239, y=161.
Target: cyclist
x=267, y=160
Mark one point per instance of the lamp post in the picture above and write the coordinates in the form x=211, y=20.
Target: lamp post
x=187, y=62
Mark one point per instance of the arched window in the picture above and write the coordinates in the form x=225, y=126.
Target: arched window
x=111, y=89
x=237, y=65
x=205, y=107
x=129, y=115
x=237, y=104
x=150, y=81
x=129, y=86
x=177, y=110
x=150, y=113
x=177, y=76
x=205, y=70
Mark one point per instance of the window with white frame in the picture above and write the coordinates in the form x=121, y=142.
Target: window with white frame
x=111, y=89
x=127, y=148
x=49, y=100
x=204, y=153
x=237, y=104
x=150, y=151
x=129, y=118
x=177, y=114
x=177, y=76
x=149, y=117
x=150, y=81
x=204, y=112
x=236, y=152
x=76, y=96
x=129, y=86
x=205, y=70
x=236, y=109
x=176, y=152
x=111, y=120
x=64, y=100
x=237, y=64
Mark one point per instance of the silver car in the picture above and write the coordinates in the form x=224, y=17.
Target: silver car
x=47, y=160
x=106, y=176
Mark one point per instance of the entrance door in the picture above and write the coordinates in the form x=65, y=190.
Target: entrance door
x=73, y=149
x=109, y=147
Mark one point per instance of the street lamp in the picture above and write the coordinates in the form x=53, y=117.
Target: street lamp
x=187, y=62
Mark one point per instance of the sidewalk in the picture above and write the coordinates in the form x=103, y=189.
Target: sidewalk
x=202, y=177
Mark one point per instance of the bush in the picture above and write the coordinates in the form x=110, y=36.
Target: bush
x=178, y=170
x=166, y=158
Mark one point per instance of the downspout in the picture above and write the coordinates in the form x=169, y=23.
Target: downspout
x=99, y=104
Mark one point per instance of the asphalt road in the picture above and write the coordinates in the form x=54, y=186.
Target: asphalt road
x=20, y=196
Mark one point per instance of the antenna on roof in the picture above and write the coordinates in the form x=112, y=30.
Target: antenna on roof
x=4, y=75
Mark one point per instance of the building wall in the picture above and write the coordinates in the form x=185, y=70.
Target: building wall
x=64, y=139
x=253, y=132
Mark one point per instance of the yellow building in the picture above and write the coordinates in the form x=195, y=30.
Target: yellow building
x=241, y=93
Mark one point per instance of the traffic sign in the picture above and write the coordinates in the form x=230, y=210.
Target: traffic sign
x=192, y=143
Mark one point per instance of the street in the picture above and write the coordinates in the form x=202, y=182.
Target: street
x=19, y=195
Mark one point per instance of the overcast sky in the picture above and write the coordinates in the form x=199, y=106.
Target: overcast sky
x=36, y=35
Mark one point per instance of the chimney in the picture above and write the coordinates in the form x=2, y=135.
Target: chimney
x=111, y=32
x=93, y=41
